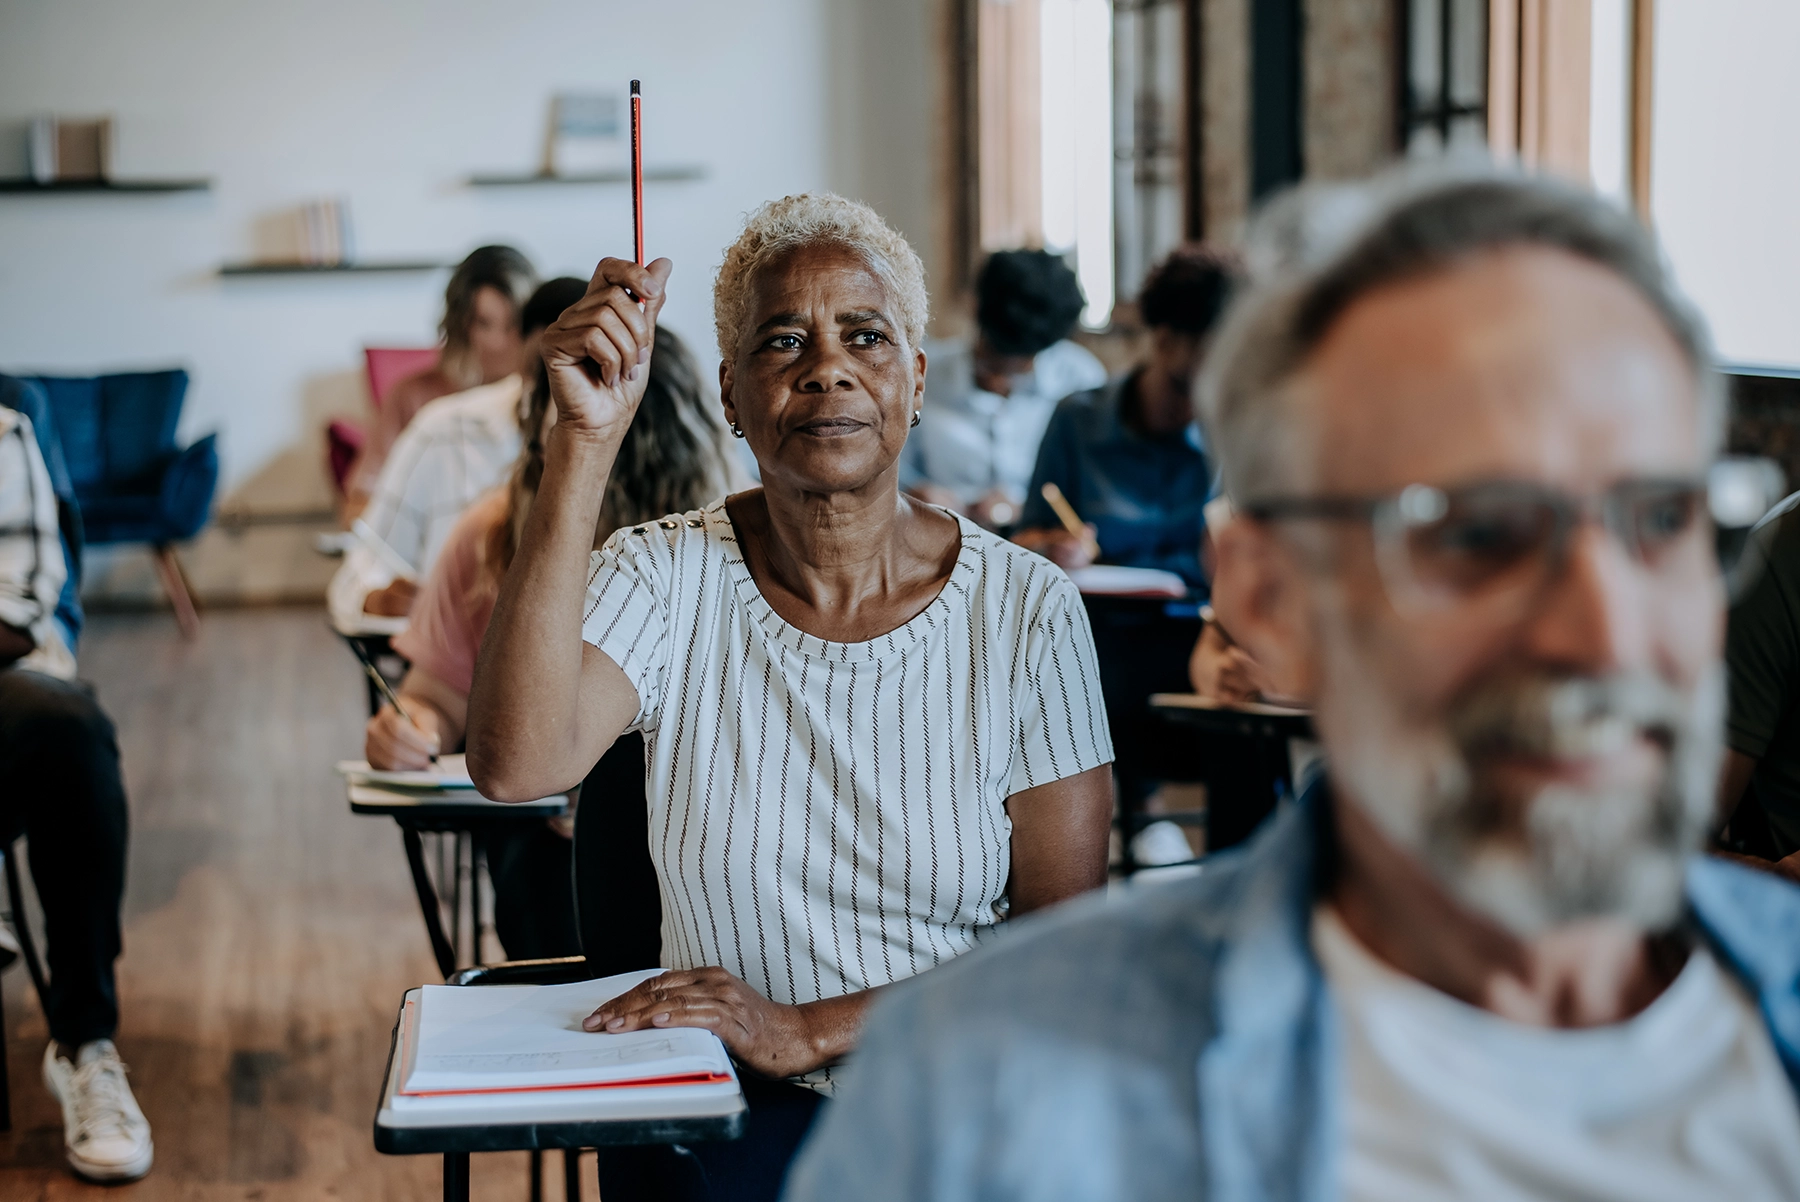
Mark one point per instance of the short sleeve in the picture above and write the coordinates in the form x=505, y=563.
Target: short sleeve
x=1062, y=718
x=1762, y=653
x=626, y=613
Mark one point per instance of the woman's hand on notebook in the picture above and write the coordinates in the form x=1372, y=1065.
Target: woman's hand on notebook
x=773, y=1039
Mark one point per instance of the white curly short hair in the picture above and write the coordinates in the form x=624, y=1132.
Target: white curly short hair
x=779, y=226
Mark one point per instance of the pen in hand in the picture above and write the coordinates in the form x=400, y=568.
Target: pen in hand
x=387, y=691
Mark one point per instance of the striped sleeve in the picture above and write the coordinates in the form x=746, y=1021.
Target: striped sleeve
x=1062, y=722
x=626, y=614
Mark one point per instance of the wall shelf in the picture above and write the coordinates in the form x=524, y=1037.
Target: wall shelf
x=26, y=186
x=656, y=175
x=245, y=269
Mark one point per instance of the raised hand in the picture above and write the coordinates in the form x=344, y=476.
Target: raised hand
x=598, y=352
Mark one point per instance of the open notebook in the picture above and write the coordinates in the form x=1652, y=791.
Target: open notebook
x=447, y=772
x=495, y=1044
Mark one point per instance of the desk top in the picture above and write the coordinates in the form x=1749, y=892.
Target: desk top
x=573, y=1118
x=453, y=804
x=1193, y=701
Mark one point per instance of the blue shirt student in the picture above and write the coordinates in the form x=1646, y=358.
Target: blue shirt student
x=1178, y=1041
x=1143, y=492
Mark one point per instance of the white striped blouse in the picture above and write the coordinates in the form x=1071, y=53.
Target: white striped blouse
x=828, y=817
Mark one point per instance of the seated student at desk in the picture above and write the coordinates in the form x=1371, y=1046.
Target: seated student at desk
x=459, y=447
x=872, y=729
x=61, y=788
x=482, y=305
x=987, y=405
x=1762, y=659
x=1128, y=454
x=673, y=458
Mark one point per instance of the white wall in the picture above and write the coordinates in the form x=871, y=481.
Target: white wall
x=391, y=103
x=1725, y=168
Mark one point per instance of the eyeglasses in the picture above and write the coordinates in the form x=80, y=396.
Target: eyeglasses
x=1502, y=542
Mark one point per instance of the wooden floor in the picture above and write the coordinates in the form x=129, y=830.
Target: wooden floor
x=269, y=934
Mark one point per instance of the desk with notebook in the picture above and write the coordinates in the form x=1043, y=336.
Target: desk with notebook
x=508, y=1067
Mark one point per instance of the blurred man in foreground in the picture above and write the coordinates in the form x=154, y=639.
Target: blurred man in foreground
x=1481, y=958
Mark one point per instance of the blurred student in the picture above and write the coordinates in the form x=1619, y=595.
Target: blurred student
x=459, y=447
x=60, y=787
x=673, y=459
x=986, y=406
x=1481, y=959
x=1129, y=455
x=482, y=304
x=1761, y=777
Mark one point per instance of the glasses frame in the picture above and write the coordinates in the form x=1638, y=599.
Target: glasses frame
x=1392, y=515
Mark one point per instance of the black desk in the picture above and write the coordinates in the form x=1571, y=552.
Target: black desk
x=583, y=1119
x=464, y=823
x=1142, y=645
x=1240, y=753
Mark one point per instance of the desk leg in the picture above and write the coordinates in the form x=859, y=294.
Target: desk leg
x=537, y=1175
x=428, y=900
x=456, y=1177
x=572, y=1174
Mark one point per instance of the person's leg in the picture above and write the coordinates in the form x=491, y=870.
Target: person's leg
x=60, y=760
x=534, y=897
x=749, y=1169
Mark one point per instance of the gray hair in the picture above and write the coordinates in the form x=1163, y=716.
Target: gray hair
x=779, y=226
x=1315, y=251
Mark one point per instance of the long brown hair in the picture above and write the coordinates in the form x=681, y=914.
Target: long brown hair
x=501, y=268
x=673, y=457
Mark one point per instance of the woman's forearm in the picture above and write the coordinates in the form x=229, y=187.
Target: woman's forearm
x=526, y=735
x=834, y=1026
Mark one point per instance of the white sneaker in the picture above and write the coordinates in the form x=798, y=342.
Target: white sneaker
x=106, y=1136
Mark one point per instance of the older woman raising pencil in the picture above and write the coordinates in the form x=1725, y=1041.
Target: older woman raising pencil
x=872, y=729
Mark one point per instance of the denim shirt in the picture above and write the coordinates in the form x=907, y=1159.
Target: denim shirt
x=1145, y=494
x=1173, y=1041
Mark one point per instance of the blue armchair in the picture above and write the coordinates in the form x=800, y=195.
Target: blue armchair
x=132, y=483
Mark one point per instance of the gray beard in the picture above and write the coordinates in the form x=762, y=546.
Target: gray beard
x=1583, y=853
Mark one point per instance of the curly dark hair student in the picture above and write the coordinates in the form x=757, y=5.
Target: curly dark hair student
x=1026, y=300
x=1187, y=290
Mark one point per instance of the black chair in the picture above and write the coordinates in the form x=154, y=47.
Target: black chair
x=15, y=893
x=618, y=909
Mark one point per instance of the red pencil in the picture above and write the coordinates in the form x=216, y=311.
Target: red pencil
x=637, y=170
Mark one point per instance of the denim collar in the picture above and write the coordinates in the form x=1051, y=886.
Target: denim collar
x=1269, y=1078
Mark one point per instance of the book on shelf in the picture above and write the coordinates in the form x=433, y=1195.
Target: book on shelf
x=61, y=150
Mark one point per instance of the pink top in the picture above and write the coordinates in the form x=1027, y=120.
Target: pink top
x=452, y=610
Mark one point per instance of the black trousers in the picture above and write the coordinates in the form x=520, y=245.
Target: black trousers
x=60, y=788
x=749, y=1169
x=534, y=891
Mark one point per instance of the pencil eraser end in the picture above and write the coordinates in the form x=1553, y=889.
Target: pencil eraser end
x=635, y=90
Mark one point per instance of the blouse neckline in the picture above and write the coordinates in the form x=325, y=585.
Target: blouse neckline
x=921, y=626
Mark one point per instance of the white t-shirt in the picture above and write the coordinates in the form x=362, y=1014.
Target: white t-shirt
x=972, y=441
x=453, y=450
x=1443, y=1100
x=828, y=817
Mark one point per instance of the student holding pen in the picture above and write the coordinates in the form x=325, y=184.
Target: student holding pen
x=872, y=729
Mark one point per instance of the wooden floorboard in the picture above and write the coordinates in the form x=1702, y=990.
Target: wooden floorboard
x=269, y=934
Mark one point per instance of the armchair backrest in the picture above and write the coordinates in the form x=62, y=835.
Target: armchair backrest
x=115, y=428
x=388, y=365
